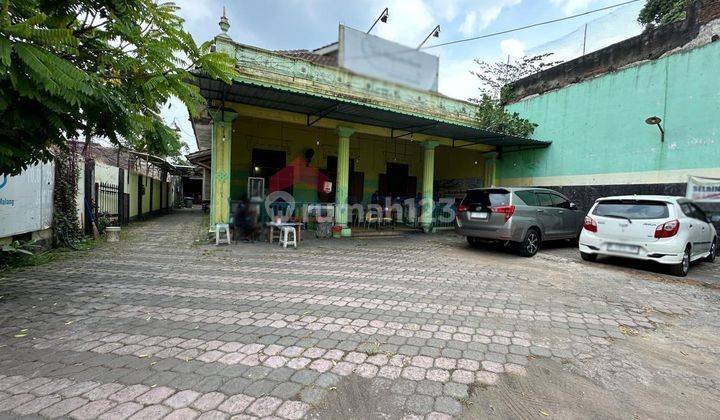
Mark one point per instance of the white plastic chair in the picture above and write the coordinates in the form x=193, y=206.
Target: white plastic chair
x=286, y=231
x=218, y=229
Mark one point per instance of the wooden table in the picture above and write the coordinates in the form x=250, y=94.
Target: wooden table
x=272, y=226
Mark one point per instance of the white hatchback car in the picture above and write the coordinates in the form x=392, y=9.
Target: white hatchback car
x=668, y=230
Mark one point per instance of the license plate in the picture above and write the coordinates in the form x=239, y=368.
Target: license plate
x=478, y=215
x=626, y=249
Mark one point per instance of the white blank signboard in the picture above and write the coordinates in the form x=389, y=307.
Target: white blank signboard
x=26, y=200
x=373, y=56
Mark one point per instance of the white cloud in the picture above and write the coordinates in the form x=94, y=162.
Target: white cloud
x=468, y=26
x=571, y=6
x=410, y=22
x=456, y=80
x=194, y=11
x=491, y=12
x=514, y=48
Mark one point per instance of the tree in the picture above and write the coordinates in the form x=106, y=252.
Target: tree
x=661, y=12
x=493, y=116
x=495, y=92
x=94, y=68
x=495, y=76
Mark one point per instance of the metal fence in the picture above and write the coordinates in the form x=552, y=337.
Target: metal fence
x=107, y=198
x=443, y=216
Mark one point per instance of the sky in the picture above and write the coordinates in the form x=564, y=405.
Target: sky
x=309, y=24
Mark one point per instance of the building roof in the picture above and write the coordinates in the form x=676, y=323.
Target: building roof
x=121, y=158
x=291, y=81
x=325, y=60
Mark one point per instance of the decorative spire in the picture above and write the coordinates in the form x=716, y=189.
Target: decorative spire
x=224, y=25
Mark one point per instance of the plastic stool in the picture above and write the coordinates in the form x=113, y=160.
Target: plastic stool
x=286, y=231
x=219, y=228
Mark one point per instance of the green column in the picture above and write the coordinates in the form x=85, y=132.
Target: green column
x=221, y=164
x=490, y=165
x=427, y=185
x=343, y=178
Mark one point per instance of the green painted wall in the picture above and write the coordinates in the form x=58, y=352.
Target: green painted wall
x=598, y=126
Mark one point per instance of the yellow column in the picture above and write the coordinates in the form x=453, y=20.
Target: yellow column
x=427, y=186
x=220, y=166
x=343, y=178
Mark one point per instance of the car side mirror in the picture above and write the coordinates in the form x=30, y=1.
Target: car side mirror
x=573, y=206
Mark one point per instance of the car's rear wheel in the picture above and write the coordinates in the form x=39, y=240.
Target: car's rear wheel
x=531, y=243
x=588, y=257
x=681, y=269
x=713, y=252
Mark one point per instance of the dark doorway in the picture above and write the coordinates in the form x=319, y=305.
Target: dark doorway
x=331, y=172
x=192, y=187
x=266, y=163
x=357, y=186
x=395, y=182
x=140, y=193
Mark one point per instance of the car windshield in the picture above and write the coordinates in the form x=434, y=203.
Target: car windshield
x=487, y=198
x=632, y=209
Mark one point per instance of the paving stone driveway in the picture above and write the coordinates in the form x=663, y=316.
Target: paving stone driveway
x=159, y=326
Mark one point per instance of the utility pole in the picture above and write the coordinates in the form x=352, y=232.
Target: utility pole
x=584, y=39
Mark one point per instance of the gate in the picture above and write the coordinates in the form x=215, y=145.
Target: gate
x=108, y=203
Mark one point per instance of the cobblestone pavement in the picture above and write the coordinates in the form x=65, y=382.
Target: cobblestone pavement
x=160, y=326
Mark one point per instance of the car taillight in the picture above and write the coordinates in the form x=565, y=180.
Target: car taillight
x=508, y=211
x=667, y=229
x=590, y=224
x=461, y=208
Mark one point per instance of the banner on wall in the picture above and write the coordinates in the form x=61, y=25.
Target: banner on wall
x=26, y=200
x=703, y=189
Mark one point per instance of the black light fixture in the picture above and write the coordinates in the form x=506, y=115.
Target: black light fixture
x=435, y=32
x=382, y=18
x=656, y=121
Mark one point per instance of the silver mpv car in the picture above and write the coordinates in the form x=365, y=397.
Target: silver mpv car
x=522, y=216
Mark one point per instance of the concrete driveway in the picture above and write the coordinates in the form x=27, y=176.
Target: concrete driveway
x=415, y=326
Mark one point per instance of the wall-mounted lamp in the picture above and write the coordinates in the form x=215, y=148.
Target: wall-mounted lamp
x=257, y=169
x=317, y=143
x=657, y=121
x=382, y=18
x=435, y=32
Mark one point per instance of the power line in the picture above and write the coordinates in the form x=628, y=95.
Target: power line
x=547, y=22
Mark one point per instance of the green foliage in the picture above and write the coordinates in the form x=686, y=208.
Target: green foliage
x=17, y=247
x=661, y=12
x=496, y=90
x=493, y=117
x=103, y=221
x=495, y=77
x=17, y=253
x=66, y=225
x=99, y=67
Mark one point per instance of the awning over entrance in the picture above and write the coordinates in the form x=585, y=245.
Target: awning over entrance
x=317, y=107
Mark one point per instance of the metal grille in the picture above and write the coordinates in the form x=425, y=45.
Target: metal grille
x=107, y=200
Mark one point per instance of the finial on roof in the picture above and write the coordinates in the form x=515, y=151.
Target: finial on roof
x=224, y=25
